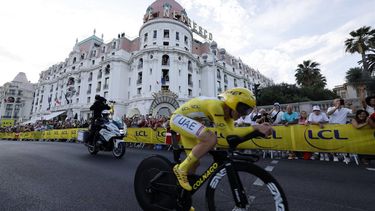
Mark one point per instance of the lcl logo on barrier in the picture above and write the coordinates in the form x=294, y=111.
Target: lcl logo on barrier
x=141, y=133
x=274, y=137
x=325, y=135
x=319, y=137
x=161, y=134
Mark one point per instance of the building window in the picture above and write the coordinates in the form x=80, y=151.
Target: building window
x=190, y=81
x=99, y=86
x=139, y=90
x=179, y=88
x=177, y=36
x=140, y=63
x=166, y=33
x=130, y=81
x=235, y=82
x=106, y=95
x=179, y=72
x=218, y=74
x=90, y=76
x=78, y=90
x=155, y=34
x=225, y=79
x=150, y=88
x=128, y=95
x=103, y=49
x=145, y=37
x=186, y=40
x=106, y=83
x=139, y=80
x=89, y=89
x=107, y=70
x=165, y=60
x=190, y=92
x=165, y=77
x=100, y=74
x=190, y=67
x=150, y=71
x=88, y=99
x=93, y=62
x=74, y=60
x=114, y=45
x=199, y=83
x=165, y=43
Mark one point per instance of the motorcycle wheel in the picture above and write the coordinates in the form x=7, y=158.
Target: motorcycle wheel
x=119, y=151
x=92, y=150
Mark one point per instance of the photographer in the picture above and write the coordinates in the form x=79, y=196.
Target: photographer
x=262, y=117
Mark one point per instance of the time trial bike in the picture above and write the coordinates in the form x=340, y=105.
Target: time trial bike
x=234, y=182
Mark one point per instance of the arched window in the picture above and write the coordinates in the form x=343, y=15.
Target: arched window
x=140, y=63
x=74, y=60
x=165, y=60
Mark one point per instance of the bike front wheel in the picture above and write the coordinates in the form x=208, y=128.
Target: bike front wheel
x=261, y=190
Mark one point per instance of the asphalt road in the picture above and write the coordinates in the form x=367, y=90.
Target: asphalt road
x=63, y=176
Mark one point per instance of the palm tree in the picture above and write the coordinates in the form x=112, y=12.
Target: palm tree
x=359, y=42
x=355, y=76
x=308, y=75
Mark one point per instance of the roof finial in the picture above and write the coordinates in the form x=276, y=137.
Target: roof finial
x=102, y=36
x=94, y=31
x=76, y=40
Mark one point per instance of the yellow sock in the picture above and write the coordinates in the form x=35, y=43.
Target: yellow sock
x=188, y=163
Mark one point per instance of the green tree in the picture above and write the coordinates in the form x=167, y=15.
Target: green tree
x=360, y=42
x=290, y=93
x=308, y=75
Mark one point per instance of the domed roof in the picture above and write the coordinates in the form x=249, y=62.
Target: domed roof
x=159, y=6
x=21, y=77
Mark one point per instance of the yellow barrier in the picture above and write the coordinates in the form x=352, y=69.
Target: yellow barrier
x=332, y=138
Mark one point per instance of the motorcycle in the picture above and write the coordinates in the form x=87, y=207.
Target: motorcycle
x=110, y=137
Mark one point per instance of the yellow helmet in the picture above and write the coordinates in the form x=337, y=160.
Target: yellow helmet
x=239, y=99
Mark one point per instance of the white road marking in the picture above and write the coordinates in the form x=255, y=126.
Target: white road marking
x=275, y=162
x=371, y=169
x=269, y=168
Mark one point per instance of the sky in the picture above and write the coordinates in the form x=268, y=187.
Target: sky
x=272, y=36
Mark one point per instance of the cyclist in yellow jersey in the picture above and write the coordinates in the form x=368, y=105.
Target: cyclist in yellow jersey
x=236, y=102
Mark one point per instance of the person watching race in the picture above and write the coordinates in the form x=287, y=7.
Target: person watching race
x=236, y=102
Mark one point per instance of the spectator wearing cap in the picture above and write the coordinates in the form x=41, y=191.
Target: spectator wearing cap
x=368, y=103
x=289, y=117
x=338, y=114
x=317, y=117
x=276, y=114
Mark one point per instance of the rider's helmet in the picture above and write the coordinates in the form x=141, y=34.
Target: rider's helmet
x=105, y=114
x=239, y=99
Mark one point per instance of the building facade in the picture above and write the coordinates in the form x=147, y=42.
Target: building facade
x=152, y=74
x=16, y=98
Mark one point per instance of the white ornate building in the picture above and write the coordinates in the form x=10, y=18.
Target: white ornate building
x=152, y=74
x=16, y=98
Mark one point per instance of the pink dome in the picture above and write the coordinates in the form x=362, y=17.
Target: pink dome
x=157, y=8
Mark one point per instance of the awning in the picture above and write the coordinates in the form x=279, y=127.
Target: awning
x=52, y=115
x=45, y=117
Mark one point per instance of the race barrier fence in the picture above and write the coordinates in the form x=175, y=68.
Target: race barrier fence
x=332, y=138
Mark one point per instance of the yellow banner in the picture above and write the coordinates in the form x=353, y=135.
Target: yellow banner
x=7, y=122
x=332, y=138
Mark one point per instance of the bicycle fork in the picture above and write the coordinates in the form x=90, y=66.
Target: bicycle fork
x=238, y=191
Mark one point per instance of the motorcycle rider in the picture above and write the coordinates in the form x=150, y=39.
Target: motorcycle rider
x=98, y=107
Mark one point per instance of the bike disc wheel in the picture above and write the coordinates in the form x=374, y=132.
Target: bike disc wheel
x=262, y=191
x=148, y=197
